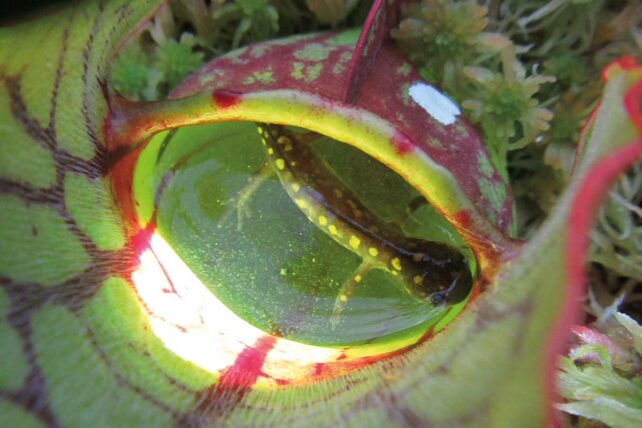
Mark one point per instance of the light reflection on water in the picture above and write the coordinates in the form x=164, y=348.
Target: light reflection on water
x=275, y=269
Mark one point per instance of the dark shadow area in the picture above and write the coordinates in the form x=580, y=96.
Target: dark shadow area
x=15, y=11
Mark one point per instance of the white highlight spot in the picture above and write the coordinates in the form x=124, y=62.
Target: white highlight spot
x=199, y=328
x=436, y=104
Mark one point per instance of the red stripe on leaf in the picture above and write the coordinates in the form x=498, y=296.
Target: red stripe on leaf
x=632, y=101
x=141, y=240
x=237, y=380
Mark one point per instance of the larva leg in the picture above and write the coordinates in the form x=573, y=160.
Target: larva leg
x=346, y=291
x=240, y=203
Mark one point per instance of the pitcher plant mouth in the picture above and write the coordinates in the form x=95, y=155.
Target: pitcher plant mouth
x=208, y=335
x=414, y=135
x=417, y=131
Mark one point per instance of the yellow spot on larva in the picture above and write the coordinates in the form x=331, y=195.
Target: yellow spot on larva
x=373, y=251
x=288, y=147
x=283, y=140
x=301, y=203
x=271, y=151
x=354, y=242
x=343, y=298
x=280, y=164
x=417, y=279
x=263, y=141
x=357, y=278
x=396, y=263
x=394, y=272
x=260, y=130
x=333, y=229
x=296, y=187
x=323, y=220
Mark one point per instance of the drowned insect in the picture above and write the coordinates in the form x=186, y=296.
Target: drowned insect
x=431, y=272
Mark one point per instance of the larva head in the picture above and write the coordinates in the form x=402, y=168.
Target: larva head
x=438, y=274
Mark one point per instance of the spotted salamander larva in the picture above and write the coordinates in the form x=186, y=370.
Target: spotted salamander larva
x=431, y=271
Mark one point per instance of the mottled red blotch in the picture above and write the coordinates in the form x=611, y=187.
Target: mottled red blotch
x=226, y=99
x=462, y=218
x=402, y=144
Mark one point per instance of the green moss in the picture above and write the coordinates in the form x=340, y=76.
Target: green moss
x=131, y=72
x=176, y=60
